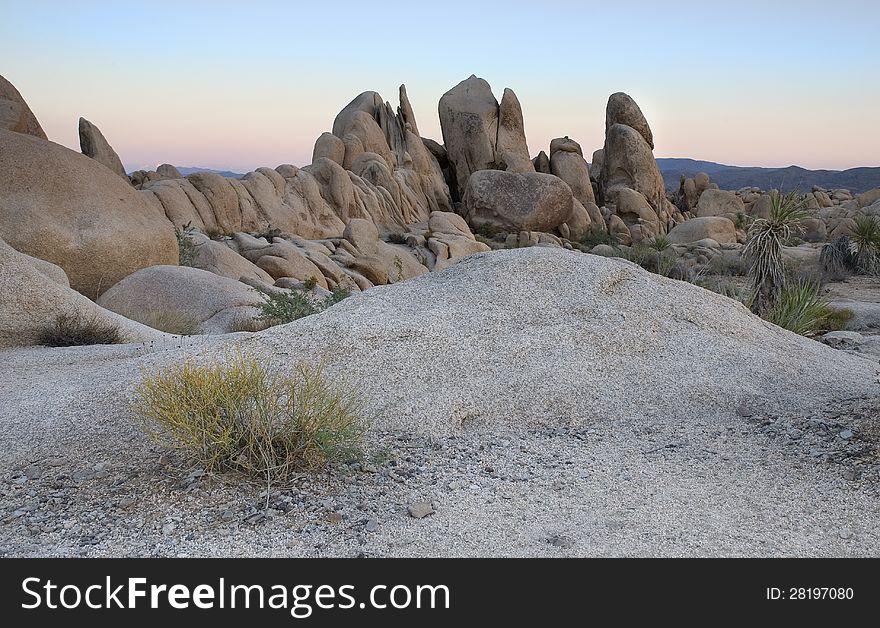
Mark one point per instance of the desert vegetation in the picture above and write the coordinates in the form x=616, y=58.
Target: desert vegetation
x=77, y=329
x=238, y=415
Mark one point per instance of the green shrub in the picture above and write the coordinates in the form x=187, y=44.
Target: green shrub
x=801, y=308
x=186, y=248
x=487, y=230
x=280, y=308
x=237, y=415
x=285, y=307
x=336, y=295
x=595, y=237
x=76, y=329
x=492, y=244
x=309, y=283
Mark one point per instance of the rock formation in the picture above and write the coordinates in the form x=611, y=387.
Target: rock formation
x=517, y=202
x=65, y=208
x=35, y=293
x=216, y=303
x=479, y=134
x=15, y=115
x=93, y=144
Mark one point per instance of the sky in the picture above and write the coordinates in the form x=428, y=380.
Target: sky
x=238, y=85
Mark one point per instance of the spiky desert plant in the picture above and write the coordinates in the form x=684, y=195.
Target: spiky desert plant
x=838, y=257
x=186, y=247
x=865, y=237
x=802, y=309
x=763, y=249
x=659, y=244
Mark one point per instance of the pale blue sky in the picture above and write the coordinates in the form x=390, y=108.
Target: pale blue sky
x=244, y=84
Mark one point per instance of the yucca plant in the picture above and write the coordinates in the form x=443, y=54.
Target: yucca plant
x=801, y=308
x=763, y=249
x=866, y=241
x=838, y=257
x=659, y=243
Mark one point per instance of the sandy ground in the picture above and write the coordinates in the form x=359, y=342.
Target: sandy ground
x=753, y=485
x=659, y=478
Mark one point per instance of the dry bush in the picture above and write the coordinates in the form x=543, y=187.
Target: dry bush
x=236, y=415
x=76, y=329
x=172, y=322
x=250, y=324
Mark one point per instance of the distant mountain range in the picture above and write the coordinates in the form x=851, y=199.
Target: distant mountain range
x=856, y=180
x=223, y=173
x=735, y=177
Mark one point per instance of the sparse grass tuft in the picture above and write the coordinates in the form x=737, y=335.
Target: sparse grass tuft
x=172, y=322
x=76, y=330
x=249, y=324
x=238, y=416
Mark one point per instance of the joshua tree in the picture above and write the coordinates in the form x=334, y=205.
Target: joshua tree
x=764, y=247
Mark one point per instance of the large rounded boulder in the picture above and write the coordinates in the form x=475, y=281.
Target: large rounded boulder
x=66, y=208
x=517, y=201
x=209, y=302
x=717, y=228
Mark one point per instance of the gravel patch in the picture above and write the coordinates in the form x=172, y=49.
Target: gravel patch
x=525, y=403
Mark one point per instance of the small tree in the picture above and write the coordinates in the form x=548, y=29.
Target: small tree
x=763, y=249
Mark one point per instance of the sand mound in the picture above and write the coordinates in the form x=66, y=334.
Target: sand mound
x=546, y=335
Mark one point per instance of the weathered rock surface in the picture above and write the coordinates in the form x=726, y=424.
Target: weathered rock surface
x=511, y=148
x=167, y=171
x=570, y=166
x=35, y=294
x=717, y=228
x=469, y=122
x=220, y=259
x=380, y=262
x=451, y=239
x=15, y=115
x=687, y=330
x=63, y=207
x=214, y=301
x=719, y=203
x=517, y=202
x=629, y=163
x=93, y=144
x=622, y=109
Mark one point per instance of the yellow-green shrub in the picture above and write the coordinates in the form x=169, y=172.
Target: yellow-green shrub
x=238, y=415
